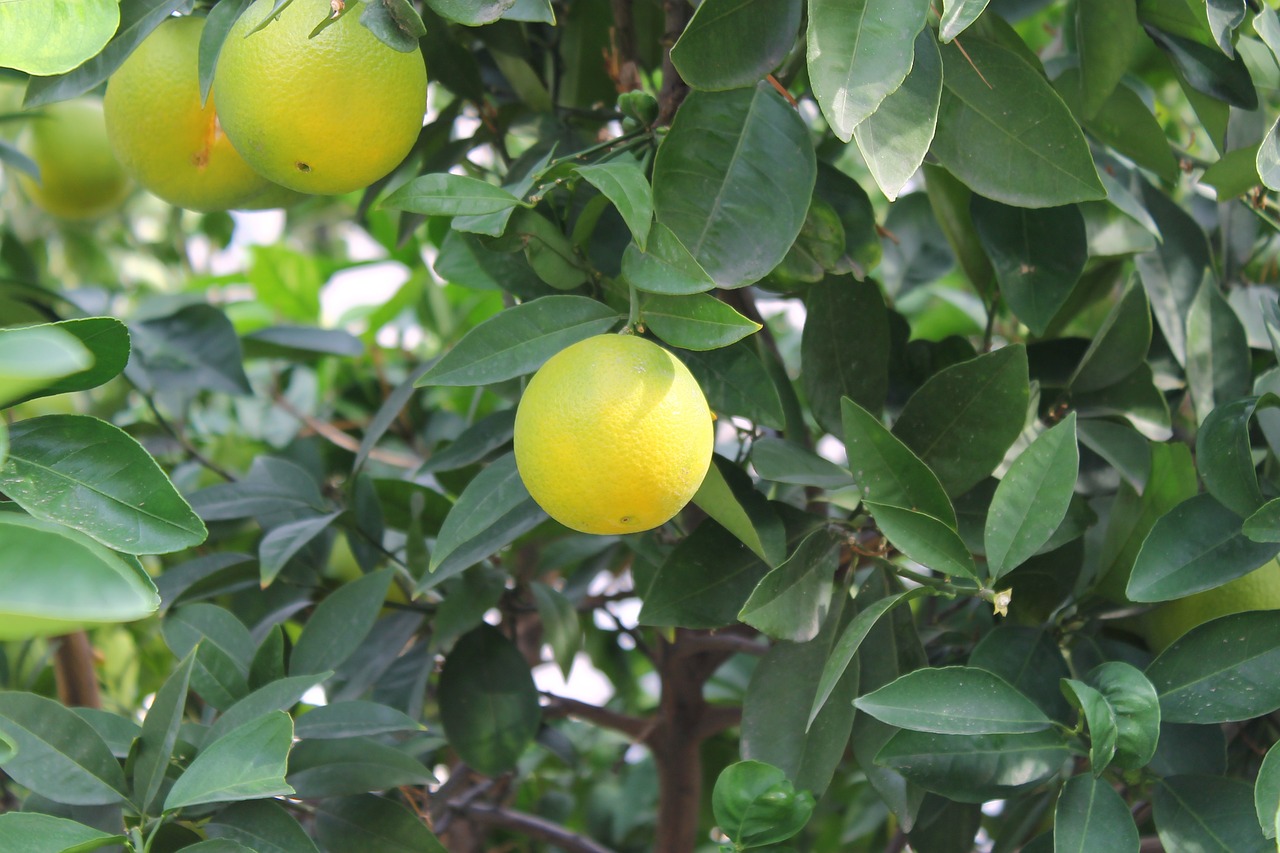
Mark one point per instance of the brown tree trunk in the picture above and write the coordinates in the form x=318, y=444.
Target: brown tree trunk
x=73, y=670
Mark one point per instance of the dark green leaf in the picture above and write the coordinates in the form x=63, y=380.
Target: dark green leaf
x=354, y=718
x=623, y=182
x=1033, y=153
x=450, y=195
x=1119, y=346
x=58, y=754
x=964, y=418
x=697, y=321
x=1134, y=398
x=719, y=186
x=924, y=539
x=858, y=53
x=1091, y=816
x=735, y=382
x=471, y=13
x=281, y=544
x=887, y=471
x=1221, y=671
x=1207, y=70
x=262, y=826
x=32, y=832
x=956, y=700
x=561, y=629
x=1264, y=525
x=1173, y=273
x=1207, y=813
x=517, y=341
x=704, y=582
x=160, y=734
x=733, y=43
x=193, y=349
x=273, y=488
x=296, y=341
x=369, y=822
x=106, y=339
x=729, y=497
x=1032, y=499
x=1038, y=256
x=346, y=766
x=1225, y=457
x=783, y=462
x=664, y=265
x=280, y=694
x=791, y=602
x=488, y=702
x=1107, y=36
x=246, y=763
x=1100, y=719
x=339, y=624
x=844, y=351
x=1029, y=659
x=95, y=477
x=1218, y=360
x=974, y=769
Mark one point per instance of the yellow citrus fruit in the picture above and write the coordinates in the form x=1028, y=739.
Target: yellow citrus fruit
x=613, y=435
x=79, y=177
x=1258, y=590
x=328, y=114
x=168, y=142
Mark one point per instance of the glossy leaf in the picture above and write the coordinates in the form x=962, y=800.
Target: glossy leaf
x=975, y=768
x=1225, y=457
x=32, y=832
x=625, y=185
x=77, y=583
x=1038, y=256
x=783, y=462
x=859, y=52
x=756, y=805
x=105, y=338
x=1196, y=546
x=1033, y=153
x=1173, y=273
x=246, y=763
x=719, y=188
x=887, y=471
x=664, y=265
x=369, y=822
x=58, y=754
x=1220, y=671
x=1264, y=524
x=518, y=340
x=1206, y=70
x=1099, y=718
x=956, y=700
x=1032, y=498
x=957, y=15
x=924, y=539
x=730, y=498
x=488, y=702
x=733, y=43
x=704, y=582
x=1266, y=793
x=895, y=138
x=1133, y=700
x=339, y=624
x=1218, y=365
x=844, y=351
x=791, y=602
x=471, y=13
x=1090, y=816
x=450, y=195
x=964, y=418
x=1209, y=813
x=735, y=382
x=694, y=322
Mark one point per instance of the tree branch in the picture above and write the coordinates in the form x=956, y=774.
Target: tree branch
x=73, y=671
x=674, y=88
x=717, y=718
x=624, y=62
x=636, y=728
x=529, y=825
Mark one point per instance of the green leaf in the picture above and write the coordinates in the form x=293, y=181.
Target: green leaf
x=225, y=651
x=1225, y=456
x=1267, y=160
x=1032, y=499
x=193, y=349
x=1218, y=360
x=755, y=804
x=1119, y=346
x=957, y=15
x=844, y=351
x=736, y=382
x=491, y=512
x=964, y=418
x=733, y=43
x=281, y=544
x=488, y=702
x=1107, y=37
x=1038, y=256
x=262, y=826
x=1030, y=660
x=518, y=340
x=1264, y=525
x=1033, y=153
x=775, y=726
x=887, y=471
x=730, y=498
x=106, y=339
x=1172, y=275
x=924, y=539
x=160, y=734
x=1197, y=545
x=301, y=342
x=561, y=629
x=895, y=138
x=976, y=768
x=623, y=182
x=846, y=648
x=58, y=755
x=347, y=766
x=1266, y=793
x=1209, y=813
x=664, y=265
x=1221, y=671
x=34, y=357
x=1207, y=71
x=859, y=52
x=1100, y=719
x=1091, y=816
x=957, y=700
x=1133, y=700
x=274, y=488
x=450, y=195
x=370, y=822
x=352, y=718
x=721, y=189
x=783, y=462
x=95, y=477
x=32, y=832
x=791, y=602
x=78, y=582
x=697, y=321
x=45, y=37
x=339, y=624
x=279, y=694
x=246, y=763
x=1134, y=398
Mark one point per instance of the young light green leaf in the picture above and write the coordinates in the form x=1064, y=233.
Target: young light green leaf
x=34, y=357
x=957, y=700
x=46, y=37
x=756, y=805
x=247, y=763
x=1032, y=499
x=518, y=340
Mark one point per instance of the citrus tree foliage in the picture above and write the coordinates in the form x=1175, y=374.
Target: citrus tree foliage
x=982, y=295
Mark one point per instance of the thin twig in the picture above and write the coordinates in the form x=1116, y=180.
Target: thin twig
x=187, y=446
x=531, y=826
x=335, y=436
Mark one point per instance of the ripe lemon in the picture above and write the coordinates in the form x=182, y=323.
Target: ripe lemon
x=79, y=177
x=328, y=114
x=167, y=141
x=1258, y=590
x=613, y=435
